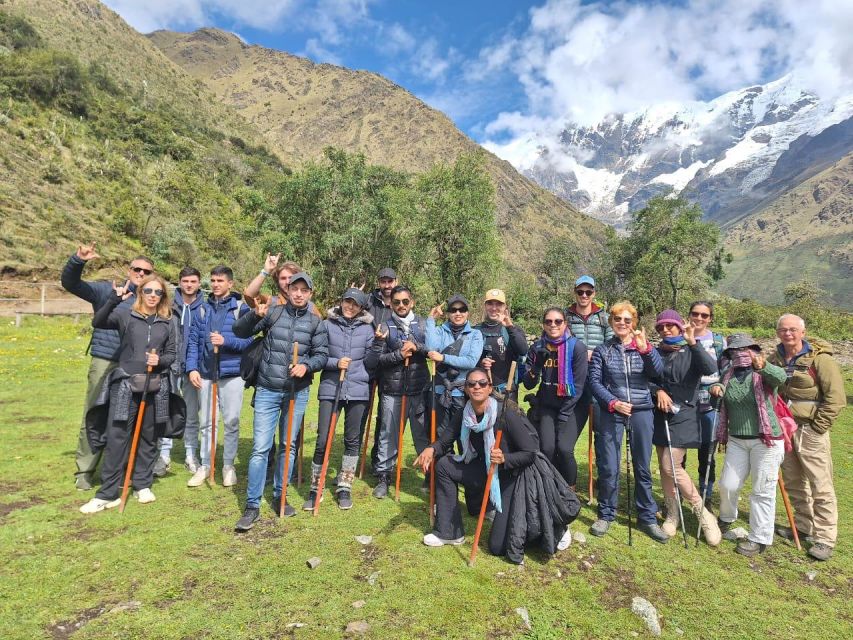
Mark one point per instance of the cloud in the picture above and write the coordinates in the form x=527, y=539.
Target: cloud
x=149, y=15
x=315, y=50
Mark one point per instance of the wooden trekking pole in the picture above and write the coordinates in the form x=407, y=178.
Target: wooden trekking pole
x=300, y=450
x=492, y=468
x=432, y=438
x=790, y=513
x=367, y=430
x=333, y=421
x=291, y=405
x=402, y=428
x=589, y=455
x=213, y=404
x=135, y=441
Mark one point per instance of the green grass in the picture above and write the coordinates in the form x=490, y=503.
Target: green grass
x=194, y=578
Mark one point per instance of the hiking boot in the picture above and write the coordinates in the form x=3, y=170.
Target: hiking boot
x=600, y=527
x=788, y=534
x=652, y=530
x=432, y=540
x=713, y=535
x=670, y=524
x=198, y=477
x=308, y=505
x=344, y=499
x=749, y=548
x=381, y=489
x=162, y=467
x=97, y=504
x=83, y=482
x=144, y=496
x=289, y=511
x=250, y=516
x=724, y=526
x=229, y=476
x=820, y=551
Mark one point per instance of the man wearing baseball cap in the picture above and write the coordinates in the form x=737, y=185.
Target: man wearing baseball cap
x=503, y=342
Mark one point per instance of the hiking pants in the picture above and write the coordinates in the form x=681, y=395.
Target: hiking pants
x=229, y=402
x=386, y=449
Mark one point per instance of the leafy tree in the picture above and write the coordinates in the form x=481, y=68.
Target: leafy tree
x=557, y=268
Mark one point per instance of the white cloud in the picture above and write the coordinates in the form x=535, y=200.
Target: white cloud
x=315, y=50
x=149, y=15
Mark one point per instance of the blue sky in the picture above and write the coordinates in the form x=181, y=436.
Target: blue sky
x=503, y=70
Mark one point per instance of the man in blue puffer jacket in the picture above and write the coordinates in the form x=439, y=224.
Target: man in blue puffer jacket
x=104, y=345
x=215, y=330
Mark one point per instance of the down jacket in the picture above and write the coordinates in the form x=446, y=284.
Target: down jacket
x=592, y=330
x=217, y=316
x=386, y=359
x=284, y=327
x=347, y=339
x=606, y=375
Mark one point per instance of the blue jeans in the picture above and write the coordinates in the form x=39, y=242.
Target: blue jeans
x=608, y=456
x=271, y=408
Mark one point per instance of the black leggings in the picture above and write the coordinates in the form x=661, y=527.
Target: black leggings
x=354, y=411
x=558, y=434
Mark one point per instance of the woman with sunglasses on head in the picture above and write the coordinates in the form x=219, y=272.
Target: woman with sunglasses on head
x=149, y=338
x=557, y=362
x=619, y=374
x=513, y=492
x=676, y=415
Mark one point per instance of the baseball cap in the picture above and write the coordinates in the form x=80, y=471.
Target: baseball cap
x=387, y=272
x=495, y=294
x=585, y=280
x=304, y=277
x=356, y=295
x=456, y=297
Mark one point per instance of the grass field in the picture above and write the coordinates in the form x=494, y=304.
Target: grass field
x=175, y=568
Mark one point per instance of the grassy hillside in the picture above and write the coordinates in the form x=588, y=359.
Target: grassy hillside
x=806, y=233
x=302, y=107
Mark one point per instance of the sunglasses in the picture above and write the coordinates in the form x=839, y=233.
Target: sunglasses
x=149, y=291
x=142, y=270
x=585, y=292
x=556, y=322
x=625, y=320
x=458, y=310
x=478, y=384
x=699, y=314
x=401, y=303
x=667, y=325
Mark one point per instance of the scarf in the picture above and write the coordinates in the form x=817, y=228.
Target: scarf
x=741, y=359
x=404, y=322
x=455, y=330
x=673, y=343
x=565, y=375
x=484, y=426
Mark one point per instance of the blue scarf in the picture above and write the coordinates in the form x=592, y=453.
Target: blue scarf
x=484, y=426
x=565, y=375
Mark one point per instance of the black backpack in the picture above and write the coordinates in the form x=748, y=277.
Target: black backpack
x=250, y=359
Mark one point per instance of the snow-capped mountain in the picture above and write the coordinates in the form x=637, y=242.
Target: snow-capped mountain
x=731, y=154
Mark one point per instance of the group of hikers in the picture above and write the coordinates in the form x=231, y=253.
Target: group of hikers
x=165, y=365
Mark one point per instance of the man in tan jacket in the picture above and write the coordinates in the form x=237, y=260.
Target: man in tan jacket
x=815, y=393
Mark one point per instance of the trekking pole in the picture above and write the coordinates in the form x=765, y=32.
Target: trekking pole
x=627, y=361
x=675, y=482
x=213, y=403
x=589, y=456
x=492, y=468
x=790, y=513
x=402, y=428
x=367, y=430
x=290, y=409
x=432, y=437
x=135, y=441
x=321, y=483
x=300, y=451
x=708, y=464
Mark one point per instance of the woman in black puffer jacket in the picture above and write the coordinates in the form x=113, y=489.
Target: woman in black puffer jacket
x=149, y=337
x=350, y=338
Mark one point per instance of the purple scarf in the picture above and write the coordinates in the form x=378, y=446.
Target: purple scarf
x=741, y=360
x=565, y=375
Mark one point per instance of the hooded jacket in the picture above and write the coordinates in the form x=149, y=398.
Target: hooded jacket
x=815, y=386
x=377, y=308
x=453, y=368
x=186, y=315
x=347, y=339
x=606, y=376
x=217, y=315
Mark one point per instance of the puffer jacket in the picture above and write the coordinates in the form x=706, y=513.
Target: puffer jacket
x=606, y=375
x=386, y=359
x=454, y=368
x=284, y=327
x=105, y=342
x=347, y=340
x=217, y=316
x=186, y=315
x=592, y=331
x=814, y=385
x=376, y=307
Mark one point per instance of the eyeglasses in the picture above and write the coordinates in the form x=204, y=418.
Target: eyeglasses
x=458, y=310
x=142, y=270
x=699, y=314
x=149, y=291
x=788, y=330
x=482, y=383
x=401, y=303
x=556, y=322
x=625, y=320
x=585, y=292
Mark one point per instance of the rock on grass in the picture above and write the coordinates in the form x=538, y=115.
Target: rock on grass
x=644, y=609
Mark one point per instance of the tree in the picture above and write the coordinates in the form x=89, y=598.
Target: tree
x=557, y=268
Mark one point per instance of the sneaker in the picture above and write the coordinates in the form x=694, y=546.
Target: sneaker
x=198, y=477
x=190, y=465
x=162, y=467
x=565, y=541
x=653, y=530
x=724, y=526
x=381, y=489
x=344, y=499
x=229, y=476
x=83, y=482
x=250, y=516
x=749, y=548
x=820, y=551
x=97, y=504
x=308, y=505
x=788, y=534
x=289, y=511
x=144, y=496
x=600, y=527
x=432, y=540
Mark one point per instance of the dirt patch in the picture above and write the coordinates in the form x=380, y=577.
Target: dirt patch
x=267, y=529
x=10, y=487
x=85, y=534
x=369, y=555
x=19, y=419
x=620, y=590
x=6, y=509
x=65, y=628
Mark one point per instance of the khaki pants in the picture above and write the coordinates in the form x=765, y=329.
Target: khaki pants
x=87, y=461
x=808, y=478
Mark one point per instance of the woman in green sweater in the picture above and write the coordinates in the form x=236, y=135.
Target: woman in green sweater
x=755, y=446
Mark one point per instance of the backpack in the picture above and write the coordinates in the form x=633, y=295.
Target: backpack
x=250, y=359
x=520, y=361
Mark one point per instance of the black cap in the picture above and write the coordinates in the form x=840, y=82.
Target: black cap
x=387, y=272
x=356, y=295
x=457, y=297
x=304, y=277
x=742, y=341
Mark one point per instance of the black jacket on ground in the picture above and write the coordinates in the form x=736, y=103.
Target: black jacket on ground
x=495, y=347
x=385, y=358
